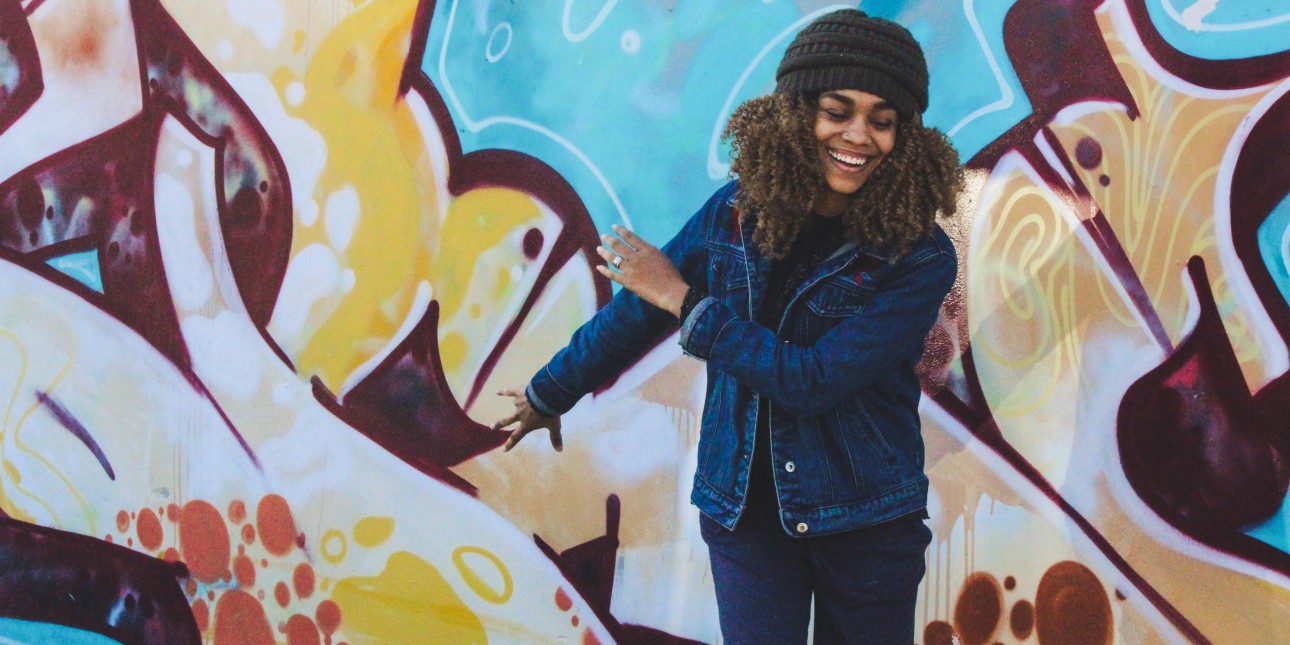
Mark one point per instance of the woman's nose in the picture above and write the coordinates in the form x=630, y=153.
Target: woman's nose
x=856, y=131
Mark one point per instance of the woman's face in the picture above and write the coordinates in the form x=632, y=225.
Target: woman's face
x=856, y=131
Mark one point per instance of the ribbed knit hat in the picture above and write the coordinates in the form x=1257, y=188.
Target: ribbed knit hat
x=850, y=50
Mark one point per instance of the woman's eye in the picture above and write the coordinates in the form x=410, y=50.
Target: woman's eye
x=883, y=125
x=836, y=115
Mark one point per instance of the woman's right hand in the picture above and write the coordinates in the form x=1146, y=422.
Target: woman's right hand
x=529, y=420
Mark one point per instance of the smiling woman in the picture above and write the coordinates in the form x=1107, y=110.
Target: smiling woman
x=808, y=286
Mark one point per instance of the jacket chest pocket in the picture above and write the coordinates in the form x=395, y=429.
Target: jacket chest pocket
x=727, y=275
x=838, y=297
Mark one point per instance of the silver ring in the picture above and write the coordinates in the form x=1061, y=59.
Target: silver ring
x=618, y=262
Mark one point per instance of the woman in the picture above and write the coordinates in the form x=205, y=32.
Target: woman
x=808, y=285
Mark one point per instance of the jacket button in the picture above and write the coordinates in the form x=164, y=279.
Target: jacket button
x=790, y=466
x=802, y=527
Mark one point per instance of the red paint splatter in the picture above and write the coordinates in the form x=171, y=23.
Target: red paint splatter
x=203, y=540
x=589, y=638
x=574, y=620
x=201, y=614
x=237, y=511
x=562, y=600
x=264, y=563
x=148, y=529
x=190, y=587
x=301, y=631
x=303, y=580
x=172, y=511
x=248, y=533
x=979, y=609
x=108, y=538
x=938, y=632
x=328, y=617
x=281, y=594
x=277, y=528
x=171, y=555
x=122, y=521
x=244, y=571
x=240, y=620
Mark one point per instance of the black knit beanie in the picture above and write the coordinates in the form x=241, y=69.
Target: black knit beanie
x=849, y=50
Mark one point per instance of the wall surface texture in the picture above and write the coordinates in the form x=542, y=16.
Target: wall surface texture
x=264, y=265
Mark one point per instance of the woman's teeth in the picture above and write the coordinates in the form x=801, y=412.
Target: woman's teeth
x=848, y=159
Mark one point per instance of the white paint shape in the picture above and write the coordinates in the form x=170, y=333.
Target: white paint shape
x=311, y=276
x=188, y=270
x=224, y=50
x=309, y=213
x=225, y=352
x=631, y=41
x=81, y=98
x=340, y=216
x=494, y=53
x=295, y=93
x=1194, y=16
x=595, y=22
x=267, y=19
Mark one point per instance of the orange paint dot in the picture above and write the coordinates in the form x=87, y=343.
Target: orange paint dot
x=248, y=533
x=172, y=511
x=210, y=595
x=574, y=620
x=244, y=571
x=190, y=587
x=237, y=511
x=562, y=600
x=108, y=538
x=277, y=528
x=149, y=530
x=281, y=594
x=203, y=540
x=260, y=594
x=240, y=620
x=129, y=541
x=328, y=617
x=161, y=510
x=264, y=563
x=201, y=614
x=303, y=580
x=589, y=638
x=241, y=549
x=301, y=631
x=171, y=555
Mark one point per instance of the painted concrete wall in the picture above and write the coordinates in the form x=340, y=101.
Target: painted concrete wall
x=264, y=264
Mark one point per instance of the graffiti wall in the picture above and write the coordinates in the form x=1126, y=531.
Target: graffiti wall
x=264, y=266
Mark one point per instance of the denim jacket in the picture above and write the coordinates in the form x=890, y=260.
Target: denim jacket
x=838, y=374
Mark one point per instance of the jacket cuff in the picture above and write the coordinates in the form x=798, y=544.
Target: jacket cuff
x=547, y=396
x=701, y=329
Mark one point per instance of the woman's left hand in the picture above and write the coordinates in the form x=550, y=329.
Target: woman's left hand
x=643, y=270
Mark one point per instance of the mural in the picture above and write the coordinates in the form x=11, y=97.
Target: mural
x=263, y=266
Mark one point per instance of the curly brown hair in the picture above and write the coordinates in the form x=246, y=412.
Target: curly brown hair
x=776, y=158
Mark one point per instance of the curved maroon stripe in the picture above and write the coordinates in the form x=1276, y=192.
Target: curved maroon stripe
x=61, y=578
x=16, y=34
x=1260, y=181
x=417, y=49
x=1230, y=74
x=78, y=430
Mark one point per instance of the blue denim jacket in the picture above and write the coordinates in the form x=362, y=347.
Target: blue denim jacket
x=839, y=376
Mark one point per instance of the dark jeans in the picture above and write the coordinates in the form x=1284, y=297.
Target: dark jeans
x=865, y=582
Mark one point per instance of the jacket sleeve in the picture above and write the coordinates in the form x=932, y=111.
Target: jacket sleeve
x=625, y=328
x=807, y=381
